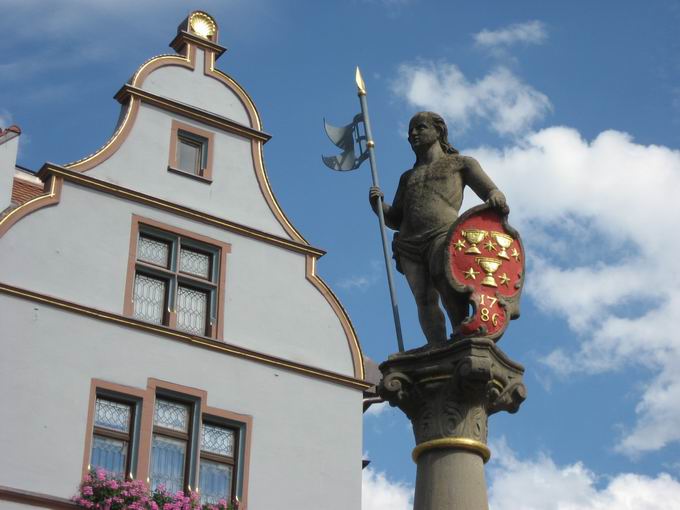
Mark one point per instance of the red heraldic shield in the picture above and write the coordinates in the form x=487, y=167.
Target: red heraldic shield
x=485, y=261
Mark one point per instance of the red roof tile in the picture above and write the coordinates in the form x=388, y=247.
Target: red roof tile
x=23, y=191
x=11, y=129
x=9, y=133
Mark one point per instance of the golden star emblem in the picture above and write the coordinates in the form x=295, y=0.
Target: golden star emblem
x=490, y=245
x=459, y=245
x=504, y=279
x=515, y=254
x=471, y=274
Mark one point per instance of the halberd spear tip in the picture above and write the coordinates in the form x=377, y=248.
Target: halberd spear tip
x=360, y=82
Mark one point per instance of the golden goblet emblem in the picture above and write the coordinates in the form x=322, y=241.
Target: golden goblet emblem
x=474, y=237
x=504, y=241
x=489, y=266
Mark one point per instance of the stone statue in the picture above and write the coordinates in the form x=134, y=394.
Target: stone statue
x=426, y=204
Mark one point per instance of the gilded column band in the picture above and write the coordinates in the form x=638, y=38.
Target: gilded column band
x=459, y=443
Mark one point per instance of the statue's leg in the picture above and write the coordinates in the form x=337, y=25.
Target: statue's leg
x=455, y=304
x=430, y=314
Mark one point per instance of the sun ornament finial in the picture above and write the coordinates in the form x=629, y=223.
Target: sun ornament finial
x=202, y=25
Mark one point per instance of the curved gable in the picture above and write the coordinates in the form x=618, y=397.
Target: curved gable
x=185, y=93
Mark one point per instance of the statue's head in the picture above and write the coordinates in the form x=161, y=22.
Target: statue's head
x=435, y=121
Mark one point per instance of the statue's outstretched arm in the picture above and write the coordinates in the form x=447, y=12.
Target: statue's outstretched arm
x=482, y=185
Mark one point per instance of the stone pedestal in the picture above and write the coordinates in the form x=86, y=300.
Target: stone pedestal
x=448, y=393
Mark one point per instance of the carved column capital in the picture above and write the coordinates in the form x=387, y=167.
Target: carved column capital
x=449, y=392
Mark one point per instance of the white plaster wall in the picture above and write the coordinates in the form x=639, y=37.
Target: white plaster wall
x=306, y=434
x=197, y=89
x=141, y=163
x=8, y=159
x=78, y=251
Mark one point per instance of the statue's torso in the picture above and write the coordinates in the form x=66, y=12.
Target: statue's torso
x=431, y=197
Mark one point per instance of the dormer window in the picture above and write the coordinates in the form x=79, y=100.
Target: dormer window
x=191, y=151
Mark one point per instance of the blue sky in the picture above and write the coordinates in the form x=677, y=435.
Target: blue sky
x=573, y=108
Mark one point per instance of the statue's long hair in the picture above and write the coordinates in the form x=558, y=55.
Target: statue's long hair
x=440, y=125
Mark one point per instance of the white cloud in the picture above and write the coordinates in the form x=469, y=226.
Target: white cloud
x=530, y=32
x=5, y=118
x=380, y=493
x=499, y=98
x=362, y=282
x=540, y=484
x=377, y=409
x=600, y=219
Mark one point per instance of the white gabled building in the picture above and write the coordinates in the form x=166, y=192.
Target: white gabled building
x=162, y=318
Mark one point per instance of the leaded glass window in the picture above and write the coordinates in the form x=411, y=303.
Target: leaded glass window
x=215, y=481
x=180, y=455
x=171, y=415
x=176, y=282
x=169, y=445
x=153, y=251
x=217, y=440
x=194, y=263
x=149, y=298
x=167, y=463
x=192, y=310
x=217, y=462
x=110, y=455
x=112, y=415
x=112, y=436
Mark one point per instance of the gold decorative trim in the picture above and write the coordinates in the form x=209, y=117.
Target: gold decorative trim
x=189, y=111
x=265, y=188
x=59, y=174
x=210, y=70
x=202, y=24
x=343, y=317
x=185, y=37
x=120, y=134
x=188, y=61
x=136, y=196
x=258, y=156
x=459, y=443
x=215, y=345
x=159, y=61
x=109, y=148
x=51, y=197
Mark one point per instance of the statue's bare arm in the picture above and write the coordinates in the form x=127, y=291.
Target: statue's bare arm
x=483, y=186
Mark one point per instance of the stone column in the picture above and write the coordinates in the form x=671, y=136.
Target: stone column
x=448, y=393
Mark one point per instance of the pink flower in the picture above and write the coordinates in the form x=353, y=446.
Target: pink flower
x=101, y=474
